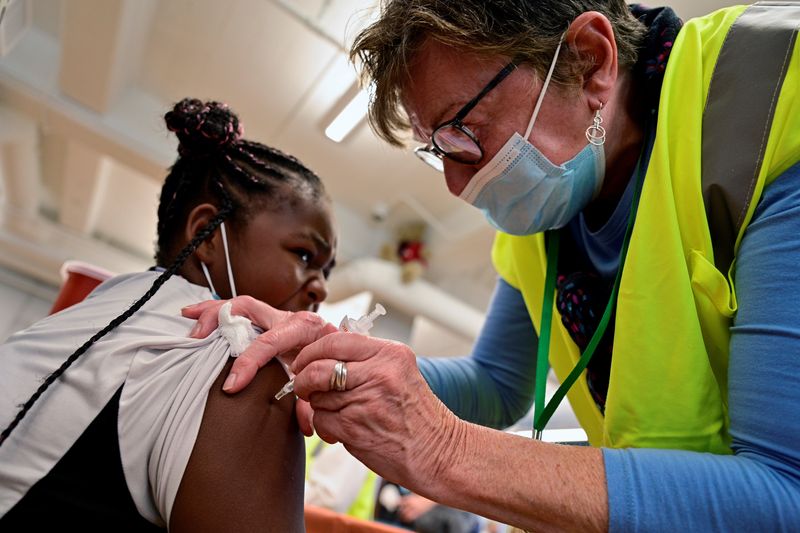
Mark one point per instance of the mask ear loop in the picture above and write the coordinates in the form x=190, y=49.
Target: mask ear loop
x=228, y=259
x=544, y=88
x=208, y=279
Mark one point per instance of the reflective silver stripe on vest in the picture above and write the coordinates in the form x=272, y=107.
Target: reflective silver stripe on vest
x=739, y=109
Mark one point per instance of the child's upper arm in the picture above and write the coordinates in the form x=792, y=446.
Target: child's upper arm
x=246, y=470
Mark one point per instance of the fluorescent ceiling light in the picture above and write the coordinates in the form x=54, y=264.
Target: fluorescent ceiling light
x=349, y=118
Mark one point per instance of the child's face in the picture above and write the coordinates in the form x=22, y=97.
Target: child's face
x=284, y=257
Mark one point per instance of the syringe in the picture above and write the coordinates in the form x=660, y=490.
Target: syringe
x=360, y=326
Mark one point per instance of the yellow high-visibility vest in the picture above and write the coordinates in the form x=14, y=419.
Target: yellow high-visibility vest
x=668, y=381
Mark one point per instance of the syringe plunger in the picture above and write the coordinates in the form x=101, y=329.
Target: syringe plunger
x=363, y=324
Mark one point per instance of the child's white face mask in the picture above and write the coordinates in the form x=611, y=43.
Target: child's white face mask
x=227, y=264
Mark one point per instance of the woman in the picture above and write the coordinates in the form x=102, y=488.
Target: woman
x=132, y=431
x=638, y=170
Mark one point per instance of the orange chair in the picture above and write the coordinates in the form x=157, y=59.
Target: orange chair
x=319, y=520
x=79, y=279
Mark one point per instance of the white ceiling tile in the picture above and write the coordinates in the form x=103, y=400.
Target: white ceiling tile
x=343, y=19
x=257, y=58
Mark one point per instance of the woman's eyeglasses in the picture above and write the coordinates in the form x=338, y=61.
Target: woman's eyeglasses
x=452, y=139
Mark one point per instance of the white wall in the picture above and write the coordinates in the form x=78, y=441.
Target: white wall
x=432, y=340
x=22, y=302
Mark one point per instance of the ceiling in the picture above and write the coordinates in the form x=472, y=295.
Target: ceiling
x=83, y=87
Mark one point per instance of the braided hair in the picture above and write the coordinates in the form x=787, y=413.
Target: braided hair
x=214, y=165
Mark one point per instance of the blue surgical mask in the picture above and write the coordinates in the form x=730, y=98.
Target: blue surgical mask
x=521, y=192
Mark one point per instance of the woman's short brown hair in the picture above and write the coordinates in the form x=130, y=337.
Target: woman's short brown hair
x=524, y=29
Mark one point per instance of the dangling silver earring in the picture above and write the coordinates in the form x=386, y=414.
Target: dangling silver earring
x=596, y=134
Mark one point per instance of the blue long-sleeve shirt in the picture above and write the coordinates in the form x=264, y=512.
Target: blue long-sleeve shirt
x=755, y=489
x=494, y=385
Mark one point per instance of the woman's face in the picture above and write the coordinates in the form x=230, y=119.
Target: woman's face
x=283, y=256
x=443, y=79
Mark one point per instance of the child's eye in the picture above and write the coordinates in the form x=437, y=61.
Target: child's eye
x=326, y=271
x=303, y=254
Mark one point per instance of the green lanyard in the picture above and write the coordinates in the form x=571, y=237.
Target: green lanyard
x=541, y=412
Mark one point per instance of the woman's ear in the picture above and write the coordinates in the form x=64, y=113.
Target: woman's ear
x=592, y=37
x=198, y=218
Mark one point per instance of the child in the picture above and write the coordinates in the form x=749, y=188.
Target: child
x=132, y=432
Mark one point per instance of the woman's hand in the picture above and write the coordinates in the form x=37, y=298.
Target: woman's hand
x=387, y=417
x=285, y=334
